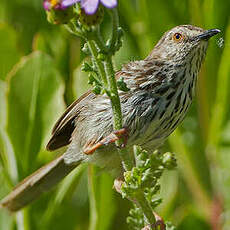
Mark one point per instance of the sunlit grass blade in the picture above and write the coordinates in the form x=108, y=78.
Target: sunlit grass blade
x=7, y=156
x=9, y=53
x=38, y=89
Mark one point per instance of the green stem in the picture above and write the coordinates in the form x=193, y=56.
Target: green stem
x=115, y=25
x=117, y=114
x=147, y=210
x=118, y=123
x=99, y=41
x=99, y=64
x=72, y=28
x=114, y=96
x=108, y=77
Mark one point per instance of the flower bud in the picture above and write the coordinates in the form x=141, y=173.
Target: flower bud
x=169, y=160
x=60, y=16
x=91, y=19
x=59, y=11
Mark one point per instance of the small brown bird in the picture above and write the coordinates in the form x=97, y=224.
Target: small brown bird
x=161, y=87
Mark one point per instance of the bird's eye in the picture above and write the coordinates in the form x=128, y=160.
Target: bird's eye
x=177, y=37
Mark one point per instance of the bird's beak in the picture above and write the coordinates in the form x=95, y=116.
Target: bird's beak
x=207, y=34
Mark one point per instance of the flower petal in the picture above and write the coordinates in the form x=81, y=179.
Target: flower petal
x=109, y=3
x=46, y=5
x=67, y=3
x=90, y=6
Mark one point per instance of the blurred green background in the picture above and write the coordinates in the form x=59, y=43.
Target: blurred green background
x=40, y=75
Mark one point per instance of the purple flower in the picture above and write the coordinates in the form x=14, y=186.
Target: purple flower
x=90, y=6
x=58, y=4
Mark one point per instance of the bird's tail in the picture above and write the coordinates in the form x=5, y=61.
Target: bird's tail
x=40, y=181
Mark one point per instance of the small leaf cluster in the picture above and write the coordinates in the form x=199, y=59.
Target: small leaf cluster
x=122, y=85
x=144, y=177
x=146, y=174
x=93, y=79
x=114, y=46
x=135, y=219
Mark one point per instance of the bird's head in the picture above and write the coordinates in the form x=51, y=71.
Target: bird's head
x=182, y=43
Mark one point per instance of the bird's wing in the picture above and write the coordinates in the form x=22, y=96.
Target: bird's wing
x=64, y=127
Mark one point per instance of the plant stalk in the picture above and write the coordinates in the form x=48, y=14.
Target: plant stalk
x=147, y=210
x=99, y=64
x=115, y=25
x=117, y=113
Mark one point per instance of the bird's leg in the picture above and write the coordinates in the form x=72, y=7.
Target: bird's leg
x=111, y=138
x=159, y=220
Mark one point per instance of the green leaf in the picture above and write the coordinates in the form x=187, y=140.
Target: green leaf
x=2, y=103
x=7, y=157
x=64, y=192
x=8, y=49
x=35, y=101
x=65, y=52
x=8, y=171
x=55, y=43
x=80, y=80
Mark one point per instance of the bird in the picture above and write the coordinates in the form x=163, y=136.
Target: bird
x=161, y=90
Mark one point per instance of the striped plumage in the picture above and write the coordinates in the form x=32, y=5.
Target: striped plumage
x=161, y=90
x=161, y=87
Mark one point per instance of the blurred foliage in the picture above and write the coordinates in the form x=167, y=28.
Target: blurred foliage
x=40, y=74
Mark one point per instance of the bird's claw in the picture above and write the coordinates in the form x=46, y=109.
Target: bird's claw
x=111, y=138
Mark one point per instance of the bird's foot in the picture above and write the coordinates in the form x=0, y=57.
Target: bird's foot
x=111, y=138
